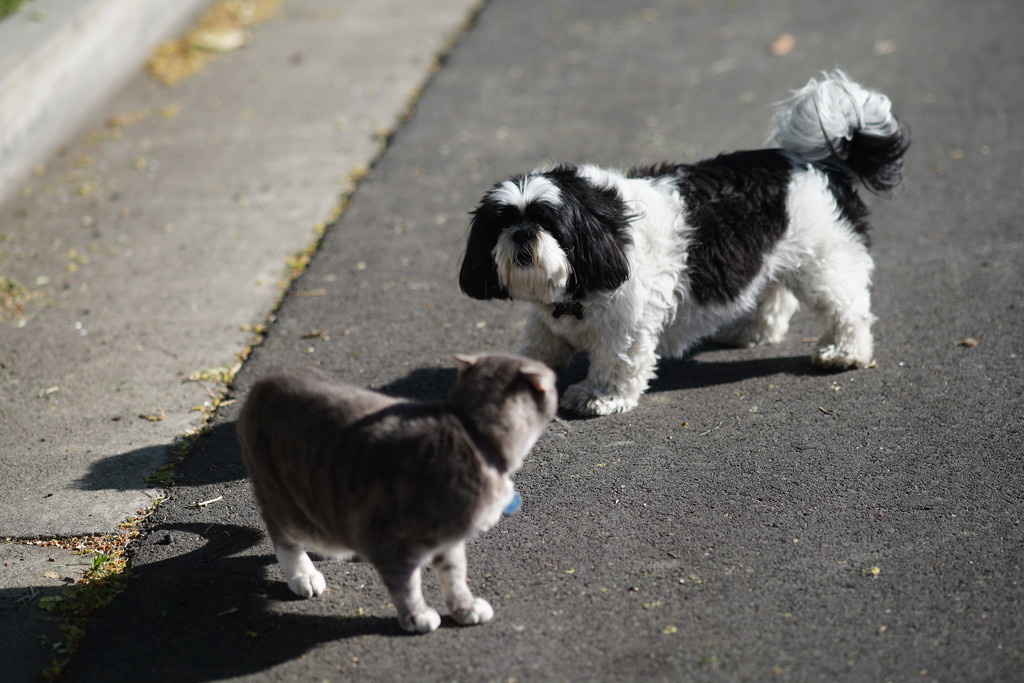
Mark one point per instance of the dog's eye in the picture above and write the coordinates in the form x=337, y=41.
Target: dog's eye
x=510, y=214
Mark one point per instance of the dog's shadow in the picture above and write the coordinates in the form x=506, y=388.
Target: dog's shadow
x=422, y=384
x=703, y=367
x=698, y=372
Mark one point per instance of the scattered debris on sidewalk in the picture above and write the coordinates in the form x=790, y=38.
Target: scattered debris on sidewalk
x=224, y=28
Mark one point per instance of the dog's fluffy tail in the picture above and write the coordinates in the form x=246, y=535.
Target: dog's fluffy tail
x=835, y=118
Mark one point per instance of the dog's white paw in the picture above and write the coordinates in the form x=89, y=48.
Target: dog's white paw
x=836, y=357
x=306, y=585
x=426, y=621
x=583, y=400
x=480, y=612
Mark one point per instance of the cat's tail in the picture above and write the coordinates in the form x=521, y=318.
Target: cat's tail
x=839, y=120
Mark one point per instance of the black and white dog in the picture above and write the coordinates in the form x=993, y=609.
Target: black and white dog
x=632, y=266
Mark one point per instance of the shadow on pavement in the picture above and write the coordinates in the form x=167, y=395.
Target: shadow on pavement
x=124, y=472
x=27, y=631
x=690, y=373
x=697, y=373
x=422, y=384
x=434, y=384
x=206, y=612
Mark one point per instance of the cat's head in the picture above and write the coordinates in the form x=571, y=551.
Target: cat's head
x=509, y=398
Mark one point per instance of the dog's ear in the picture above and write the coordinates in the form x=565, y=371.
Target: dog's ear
x=478, y=275
x=597, y=238
x=598, y=264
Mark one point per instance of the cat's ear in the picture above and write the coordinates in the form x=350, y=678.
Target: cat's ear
x=464, y=362
x=540, y=377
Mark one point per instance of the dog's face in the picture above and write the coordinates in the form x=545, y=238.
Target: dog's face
x=546, y=236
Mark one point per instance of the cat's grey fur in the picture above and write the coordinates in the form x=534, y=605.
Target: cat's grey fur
x=343, y=470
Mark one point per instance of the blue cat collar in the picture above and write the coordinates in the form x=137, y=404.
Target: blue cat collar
x=514, y=504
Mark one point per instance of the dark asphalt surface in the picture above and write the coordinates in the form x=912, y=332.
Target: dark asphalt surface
x=753, y=519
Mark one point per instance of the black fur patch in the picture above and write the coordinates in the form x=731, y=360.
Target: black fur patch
x=592, y=227
x=737, y=205
x=877, y=161
x=478, y=276
x=851, y=206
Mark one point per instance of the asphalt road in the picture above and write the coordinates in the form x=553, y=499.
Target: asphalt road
x=752, y=519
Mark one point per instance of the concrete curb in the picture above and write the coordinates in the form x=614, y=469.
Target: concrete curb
x=61, y=59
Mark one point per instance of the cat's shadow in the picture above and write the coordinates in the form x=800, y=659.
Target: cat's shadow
x=227, y=619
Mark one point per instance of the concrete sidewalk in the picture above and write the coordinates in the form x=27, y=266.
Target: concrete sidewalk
x=62, y=60
x=143, y=254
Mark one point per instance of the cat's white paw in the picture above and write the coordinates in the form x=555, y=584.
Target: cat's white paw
x=424, y=622
x=583, y=400
x=480, y=612
x=307, y=585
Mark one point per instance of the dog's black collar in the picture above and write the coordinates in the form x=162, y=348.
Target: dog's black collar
x=573, y=308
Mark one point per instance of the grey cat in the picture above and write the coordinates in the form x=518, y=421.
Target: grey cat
x=347, y=471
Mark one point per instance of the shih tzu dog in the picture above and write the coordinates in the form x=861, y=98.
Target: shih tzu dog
x=633, y=266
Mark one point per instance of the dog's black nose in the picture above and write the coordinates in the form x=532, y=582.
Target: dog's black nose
x=522, y=236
